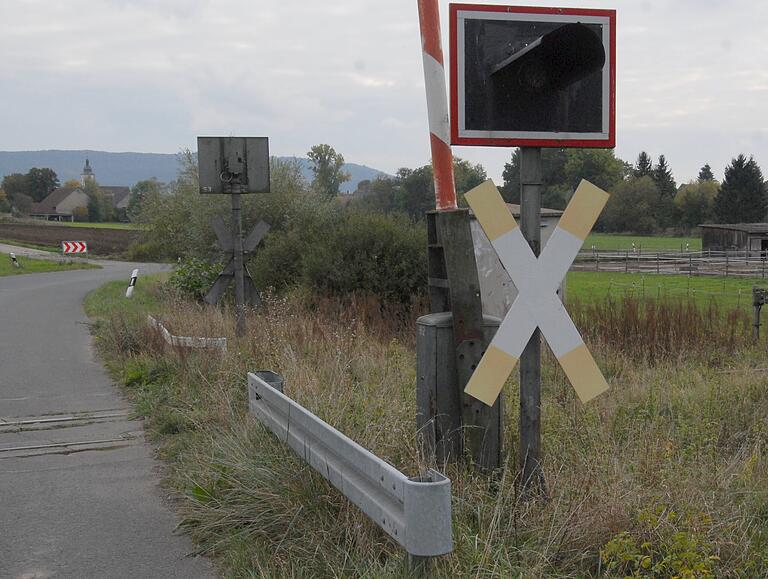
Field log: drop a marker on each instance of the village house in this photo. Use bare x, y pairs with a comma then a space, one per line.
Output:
62, 203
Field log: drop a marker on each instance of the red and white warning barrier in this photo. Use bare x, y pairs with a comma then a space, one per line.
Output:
74, 247
437, 105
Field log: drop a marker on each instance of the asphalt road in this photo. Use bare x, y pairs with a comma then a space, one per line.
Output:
80, 493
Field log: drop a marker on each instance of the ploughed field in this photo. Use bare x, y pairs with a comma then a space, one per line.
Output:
101, 241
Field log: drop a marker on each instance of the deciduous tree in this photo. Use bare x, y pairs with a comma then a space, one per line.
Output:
142, 193
97, 205
467, 176
632, 207
15, 184
327, 166
553, 176
598, 166
695, 202
21, 203
562, 171
41, 182
5, 205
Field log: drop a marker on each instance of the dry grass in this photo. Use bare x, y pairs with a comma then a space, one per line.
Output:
667, 469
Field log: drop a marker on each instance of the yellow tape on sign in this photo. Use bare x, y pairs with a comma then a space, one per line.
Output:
583, 210
490, 210
488, 379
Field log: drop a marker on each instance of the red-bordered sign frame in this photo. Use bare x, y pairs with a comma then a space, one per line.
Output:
461, 136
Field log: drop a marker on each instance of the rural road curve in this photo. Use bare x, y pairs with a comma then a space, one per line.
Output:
79, 490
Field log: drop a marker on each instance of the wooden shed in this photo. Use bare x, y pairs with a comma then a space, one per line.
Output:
740, 237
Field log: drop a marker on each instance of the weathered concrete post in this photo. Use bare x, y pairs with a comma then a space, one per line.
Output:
439, 396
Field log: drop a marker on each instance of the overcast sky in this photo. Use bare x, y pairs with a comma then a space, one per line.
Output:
151, 75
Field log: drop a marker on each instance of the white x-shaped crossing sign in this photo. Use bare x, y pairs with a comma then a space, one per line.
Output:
537, 303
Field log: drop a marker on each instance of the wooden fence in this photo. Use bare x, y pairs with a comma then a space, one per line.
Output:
692, 263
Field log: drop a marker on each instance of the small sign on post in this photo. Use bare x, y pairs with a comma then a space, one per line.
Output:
74, 247
231, 166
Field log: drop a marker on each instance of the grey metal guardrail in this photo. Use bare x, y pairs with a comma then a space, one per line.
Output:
415, 512
186, 341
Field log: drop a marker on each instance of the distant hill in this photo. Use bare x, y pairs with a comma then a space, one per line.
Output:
128, 168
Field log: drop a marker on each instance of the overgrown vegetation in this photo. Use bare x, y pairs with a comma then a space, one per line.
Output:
663, 476
314, 240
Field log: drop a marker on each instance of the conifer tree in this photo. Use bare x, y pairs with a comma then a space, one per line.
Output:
741, 198
644, 165
705, 174
667, 213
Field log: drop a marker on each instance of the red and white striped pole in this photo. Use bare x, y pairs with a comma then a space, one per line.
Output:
437, 105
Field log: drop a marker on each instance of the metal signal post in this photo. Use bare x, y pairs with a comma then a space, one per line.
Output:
233, 166
529, 458
237, 237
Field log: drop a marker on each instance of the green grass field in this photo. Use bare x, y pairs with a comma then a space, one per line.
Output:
39, 265
587, 286
650, 243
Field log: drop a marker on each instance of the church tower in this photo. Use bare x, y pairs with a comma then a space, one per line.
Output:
87, 175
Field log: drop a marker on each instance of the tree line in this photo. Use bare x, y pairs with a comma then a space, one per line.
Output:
644, 195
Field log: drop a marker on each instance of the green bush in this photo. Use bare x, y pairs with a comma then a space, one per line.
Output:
193, 277
279, 263
384, 255
144, 251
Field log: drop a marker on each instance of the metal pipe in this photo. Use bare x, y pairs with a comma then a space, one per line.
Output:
237, 222
531, 476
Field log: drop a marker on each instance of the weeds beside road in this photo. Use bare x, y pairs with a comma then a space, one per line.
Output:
665, 475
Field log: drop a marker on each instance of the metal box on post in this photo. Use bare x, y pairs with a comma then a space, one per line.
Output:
233, 164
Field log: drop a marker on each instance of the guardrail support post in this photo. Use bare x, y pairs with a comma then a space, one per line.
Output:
418, 567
